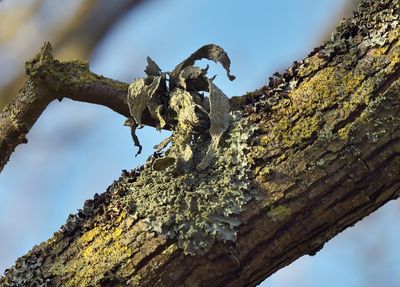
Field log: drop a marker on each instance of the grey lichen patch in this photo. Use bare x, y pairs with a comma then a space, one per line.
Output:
199, 207
366, 28
26, 272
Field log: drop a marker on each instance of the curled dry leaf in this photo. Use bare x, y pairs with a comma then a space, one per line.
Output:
219, 122
211, 52
140, 93
152, 69
131, 123
182, 107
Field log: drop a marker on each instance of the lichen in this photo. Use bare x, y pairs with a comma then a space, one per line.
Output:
198, 208
99, 250
322, 98
27, 272
279, 213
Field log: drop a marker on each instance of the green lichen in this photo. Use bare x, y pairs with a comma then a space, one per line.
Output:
89, 264
279, 213
198, 207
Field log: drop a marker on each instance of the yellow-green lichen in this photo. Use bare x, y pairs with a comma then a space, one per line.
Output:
303, 129
279, 213
301, 119
89, 236
323, 89
311, 65
99, 250
264, 172
343, 133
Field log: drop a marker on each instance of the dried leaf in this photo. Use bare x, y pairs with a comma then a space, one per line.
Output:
152, 69
162, 145
131, 123
193, 78
211, 52
183, 104
163, 163
155, 111
139, 94
219, 110
219, 122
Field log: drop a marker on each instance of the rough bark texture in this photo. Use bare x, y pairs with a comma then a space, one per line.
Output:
323, 153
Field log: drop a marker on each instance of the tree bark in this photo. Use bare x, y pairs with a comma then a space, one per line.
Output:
322, 152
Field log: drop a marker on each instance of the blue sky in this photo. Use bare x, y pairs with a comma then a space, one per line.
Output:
76, 149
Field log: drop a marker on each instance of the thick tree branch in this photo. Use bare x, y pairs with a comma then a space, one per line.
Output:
319, 148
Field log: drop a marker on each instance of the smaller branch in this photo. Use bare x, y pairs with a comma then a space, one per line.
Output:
77, 37
49, 79
19, 116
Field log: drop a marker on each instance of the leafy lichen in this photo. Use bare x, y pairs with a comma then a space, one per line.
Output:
197, 208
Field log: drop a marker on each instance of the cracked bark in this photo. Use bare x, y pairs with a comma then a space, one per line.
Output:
325, 155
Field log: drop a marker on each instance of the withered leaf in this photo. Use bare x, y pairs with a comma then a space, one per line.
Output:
130, 122
193, 78
152, 69
183, 107
163, 163
211, 52
155, 110
162, 145
182, 103
219, 122
139, 94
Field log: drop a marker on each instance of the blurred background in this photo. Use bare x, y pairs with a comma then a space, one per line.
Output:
77, 149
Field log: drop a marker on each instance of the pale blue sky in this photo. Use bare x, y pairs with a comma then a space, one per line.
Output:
78, 149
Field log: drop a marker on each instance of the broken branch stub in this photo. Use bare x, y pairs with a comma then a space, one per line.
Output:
182, 106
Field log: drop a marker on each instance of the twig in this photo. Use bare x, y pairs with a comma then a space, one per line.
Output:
49, 79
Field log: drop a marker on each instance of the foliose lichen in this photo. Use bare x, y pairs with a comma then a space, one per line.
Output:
26, 272
198, 207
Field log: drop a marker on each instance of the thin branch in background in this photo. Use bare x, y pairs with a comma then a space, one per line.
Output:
77, 38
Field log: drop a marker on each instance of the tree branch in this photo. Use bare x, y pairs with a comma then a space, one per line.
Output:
312, 153
47, 80
78, 37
